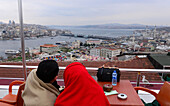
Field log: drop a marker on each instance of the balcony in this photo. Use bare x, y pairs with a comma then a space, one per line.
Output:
140, 71
13, 72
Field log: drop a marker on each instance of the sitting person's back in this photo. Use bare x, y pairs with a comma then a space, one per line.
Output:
80, 88
39, 90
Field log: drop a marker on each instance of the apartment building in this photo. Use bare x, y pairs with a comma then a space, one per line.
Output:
95, 52
96, 42
48, 48
104, 52
76, 44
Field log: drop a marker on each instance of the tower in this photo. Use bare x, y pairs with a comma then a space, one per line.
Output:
134, 37
154, 32
146, 31
9, 22
13, 22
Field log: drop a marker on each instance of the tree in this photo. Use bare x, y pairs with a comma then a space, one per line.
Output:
85, 44
81, 43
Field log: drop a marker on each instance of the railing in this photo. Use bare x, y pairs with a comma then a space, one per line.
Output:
92, 68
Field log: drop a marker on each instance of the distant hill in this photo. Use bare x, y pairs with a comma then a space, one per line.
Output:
1, 23
167, 29
120, 26
112, 26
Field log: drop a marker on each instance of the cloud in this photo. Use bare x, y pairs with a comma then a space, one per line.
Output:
83, 12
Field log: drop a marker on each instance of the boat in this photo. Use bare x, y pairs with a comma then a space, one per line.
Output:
16, 38
60, 43
26, 50
32, 38
11, 52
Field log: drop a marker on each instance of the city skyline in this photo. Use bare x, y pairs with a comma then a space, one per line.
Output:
79, 12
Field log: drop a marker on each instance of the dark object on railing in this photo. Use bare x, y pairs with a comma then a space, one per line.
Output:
11, 99
163, 97
105, 74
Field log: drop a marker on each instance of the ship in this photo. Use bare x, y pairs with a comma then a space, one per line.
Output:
11, 52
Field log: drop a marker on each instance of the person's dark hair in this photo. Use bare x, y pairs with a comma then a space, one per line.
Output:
47, 70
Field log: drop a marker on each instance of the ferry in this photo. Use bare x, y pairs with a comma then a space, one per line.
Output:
11, 52
16, 38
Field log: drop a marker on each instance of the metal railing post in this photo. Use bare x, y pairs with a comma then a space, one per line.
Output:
22, 38
138, 79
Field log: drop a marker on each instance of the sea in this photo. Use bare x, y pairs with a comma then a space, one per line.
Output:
33, 43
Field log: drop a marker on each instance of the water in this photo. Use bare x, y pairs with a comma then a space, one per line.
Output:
16, 44
99, 32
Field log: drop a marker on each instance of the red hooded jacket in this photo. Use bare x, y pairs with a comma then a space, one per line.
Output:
80, 88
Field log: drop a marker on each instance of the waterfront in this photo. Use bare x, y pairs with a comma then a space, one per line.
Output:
32, 43
16, 44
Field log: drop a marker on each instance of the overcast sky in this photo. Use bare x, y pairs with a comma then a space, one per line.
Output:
88, 12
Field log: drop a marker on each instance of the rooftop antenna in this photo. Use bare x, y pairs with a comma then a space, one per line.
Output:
22, 38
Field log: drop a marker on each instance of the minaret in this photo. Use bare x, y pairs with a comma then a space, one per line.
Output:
134, 40
154, 32
146, 30
133, 37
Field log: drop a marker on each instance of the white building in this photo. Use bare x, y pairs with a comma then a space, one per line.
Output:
96, 42
95, 52
76, 44
168, 41
53, 33
0, 34
104, 52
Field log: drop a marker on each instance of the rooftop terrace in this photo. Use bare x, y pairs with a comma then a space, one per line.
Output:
136, 63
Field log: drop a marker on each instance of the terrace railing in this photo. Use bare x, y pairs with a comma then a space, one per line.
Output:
139, 71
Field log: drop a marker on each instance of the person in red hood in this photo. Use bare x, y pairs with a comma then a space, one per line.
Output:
80, 88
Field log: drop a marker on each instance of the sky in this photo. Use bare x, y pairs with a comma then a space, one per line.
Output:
87, 12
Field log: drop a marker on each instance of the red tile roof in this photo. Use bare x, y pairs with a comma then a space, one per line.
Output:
48, 45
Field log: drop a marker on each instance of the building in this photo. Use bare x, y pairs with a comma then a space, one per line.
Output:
161, 61
96, 42
48, 48
95, 52
105, 52
109, 52
0, 34
76, 44
53, 33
